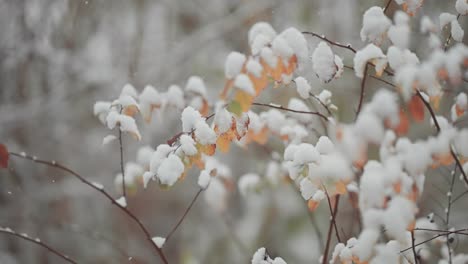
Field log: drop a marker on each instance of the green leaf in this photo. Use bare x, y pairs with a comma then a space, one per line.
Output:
235, 108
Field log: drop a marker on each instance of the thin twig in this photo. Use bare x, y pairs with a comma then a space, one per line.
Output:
102, 191
415, 255
330, 230
321, 103
387, 5
40, 243
460, 232
333, 211
334, 43
279, 107
176, 137
124, 192
361, 96
169, 235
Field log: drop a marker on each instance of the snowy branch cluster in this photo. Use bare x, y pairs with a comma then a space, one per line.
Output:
371, 160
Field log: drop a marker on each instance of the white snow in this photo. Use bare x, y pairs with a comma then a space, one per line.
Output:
159, 241
204, 179
234, 63
457, 31
323, 62
462, 7
244, 83
303, 87
122, 201
170, 170
187, 144
175, 97
149, 99
374, 25
196, 85
445, 19
248, 183
204, 134
107, 139
297, 42
189, 117
254, 67
363, 56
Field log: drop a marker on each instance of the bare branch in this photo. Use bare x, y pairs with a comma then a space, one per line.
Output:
279, 107
102, 191
169, 235
37, 241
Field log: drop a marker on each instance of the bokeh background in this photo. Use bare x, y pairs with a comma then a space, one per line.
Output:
58, 57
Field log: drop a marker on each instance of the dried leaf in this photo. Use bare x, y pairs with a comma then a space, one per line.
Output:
416, 108
403, 126
312, 205
4, 156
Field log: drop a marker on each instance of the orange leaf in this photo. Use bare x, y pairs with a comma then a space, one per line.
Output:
261, 137
259, 83
225, 91
459, 111
276, 73
397, 187
292, 63
4, 155
207, 149
403, 126
223, 142
442, 160
244, 99
416, 108
204, 110
340, 187
130, 110
312, 205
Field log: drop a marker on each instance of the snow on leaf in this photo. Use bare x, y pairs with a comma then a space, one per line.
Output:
129, 90
457, 31
410, 6
244, 83
445, 19
204, 179
234, 64
462, 7
4, 156
204, 134
370, 53
190, 117
149, 100
303, 87
296, 40
175, 97
196, 85
101, 110
187, 145
170, 170
323, 62
374, 25
416, 108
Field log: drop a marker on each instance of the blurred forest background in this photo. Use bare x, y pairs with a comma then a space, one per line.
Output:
58, 57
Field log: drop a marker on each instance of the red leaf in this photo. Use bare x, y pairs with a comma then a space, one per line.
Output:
416, 108
4, 156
